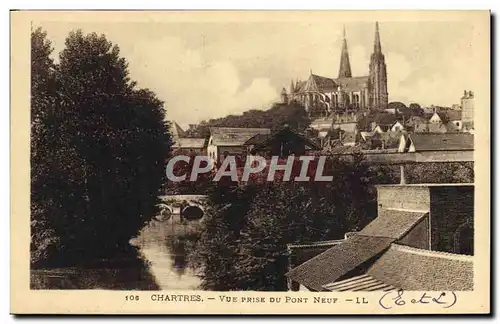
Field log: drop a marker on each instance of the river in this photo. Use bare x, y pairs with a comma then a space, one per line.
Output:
157, 261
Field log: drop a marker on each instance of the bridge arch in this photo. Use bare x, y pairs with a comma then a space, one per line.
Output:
166, 212
192, 212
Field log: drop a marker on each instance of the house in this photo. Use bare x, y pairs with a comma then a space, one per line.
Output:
189, 146
322, 125
283, 142
454, 120
176, 131
185, 145
422, 240
418, 142
448, 120
437, 128
348, 138
397, 127
417, 124
224, 141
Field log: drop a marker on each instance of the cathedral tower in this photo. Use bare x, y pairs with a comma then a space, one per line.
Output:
378, 96
345, 65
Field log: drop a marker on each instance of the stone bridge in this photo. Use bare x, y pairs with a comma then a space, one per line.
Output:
182, 209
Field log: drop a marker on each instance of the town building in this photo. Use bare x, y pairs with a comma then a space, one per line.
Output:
324, 96
422, 239
283, 143
181, 144
224, 141
419, 142
467, 103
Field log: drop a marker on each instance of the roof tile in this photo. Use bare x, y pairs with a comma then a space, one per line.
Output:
392, 223
442, 142
338, 260
415, 269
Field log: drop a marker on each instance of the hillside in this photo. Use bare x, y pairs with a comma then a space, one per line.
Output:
292, 114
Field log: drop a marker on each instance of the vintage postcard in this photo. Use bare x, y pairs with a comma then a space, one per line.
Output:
250, 162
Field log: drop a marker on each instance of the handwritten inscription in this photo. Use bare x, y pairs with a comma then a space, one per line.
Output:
393, 299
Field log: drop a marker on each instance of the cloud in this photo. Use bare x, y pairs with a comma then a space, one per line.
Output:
208, 70
193, 87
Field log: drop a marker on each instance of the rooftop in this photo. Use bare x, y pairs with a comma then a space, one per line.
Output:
392, 223
442, 141
229, 136
186, 142
338, 260
415, 269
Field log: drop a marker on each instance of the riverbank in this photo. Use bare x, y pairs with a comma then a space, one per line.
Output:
156, 260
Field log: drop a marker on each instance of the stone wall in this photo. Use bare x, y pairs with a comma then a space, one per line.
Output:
452, 209
403, 197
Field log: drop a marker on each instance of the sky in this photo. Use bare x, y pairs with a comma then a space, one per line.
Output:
211, 69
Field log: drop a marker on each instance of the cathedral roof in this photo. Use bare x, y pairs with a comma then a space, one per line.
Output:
320, 83
300, 85
352, 84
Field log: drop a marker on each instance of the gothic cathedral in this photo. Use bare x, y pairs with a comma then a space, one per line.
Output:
345, 95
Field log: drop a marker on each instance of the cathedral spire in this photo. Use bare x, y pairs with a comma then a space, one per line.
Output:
377, 48
378, 95
345, 65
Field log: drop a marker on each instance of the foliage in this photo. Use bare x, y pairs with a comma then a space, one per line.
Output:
278, 115
100, 156
443, 172
243, 242
397, 106
416, 110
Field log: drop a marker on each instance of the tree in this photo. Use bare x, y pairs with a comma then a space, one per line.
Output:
292, 114
43, 139
245, 235
398, 106
416, 110
110, 152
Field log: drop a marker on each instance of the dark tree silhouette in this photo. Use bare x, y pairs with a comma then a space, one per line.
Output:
106, 145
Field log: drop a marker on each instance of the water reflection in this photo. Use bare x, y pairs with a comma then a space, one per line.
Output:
165, 251
156, 260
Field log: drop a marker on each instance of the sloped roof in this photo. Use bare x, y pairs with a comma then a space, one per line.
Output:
359, 283
415, 269
324, 83
352, 84
366, 135
338, 260
442, 142
285, 131
300, 253
231, 136
319, 83
257, 138
392, 223
176, 130
187, 142
300, 86
453, 114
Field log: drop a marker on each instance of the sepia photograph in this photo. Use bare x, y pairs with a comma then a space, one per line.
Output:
290, 152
